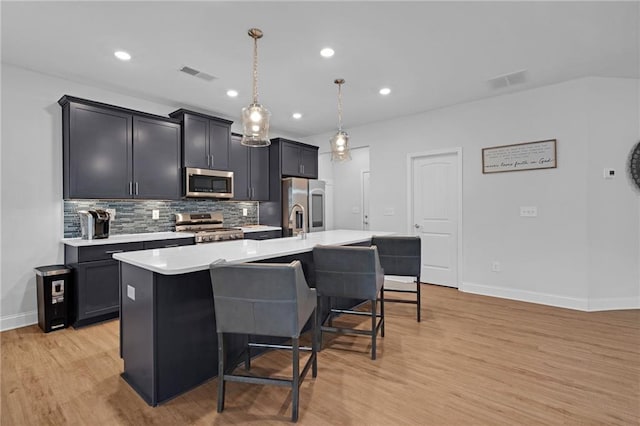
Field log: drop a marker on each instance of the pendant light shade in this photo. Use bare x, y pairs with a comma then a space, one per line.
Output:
340, 141
255, 117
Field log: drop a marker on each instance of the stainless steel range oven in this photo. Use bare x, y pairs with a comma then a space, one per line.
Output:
207, 227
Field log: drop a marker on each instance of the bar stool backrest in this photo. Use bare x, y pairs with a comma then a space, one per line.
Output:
399, 255
261, 298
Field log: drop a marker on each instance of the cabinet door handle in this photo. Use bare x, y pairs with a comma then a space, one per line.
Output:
208, 160
113, 251
130, 188
136, 188
172, 245
303, 168
211, 160
253, 193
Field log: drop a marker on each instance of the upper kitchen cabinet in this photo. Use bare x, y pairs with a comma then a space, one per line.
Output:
250, 168
205, 140
298, 159
111, 152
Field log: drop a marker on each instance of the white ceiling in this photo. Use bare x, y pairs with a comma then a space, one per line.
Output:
431, 54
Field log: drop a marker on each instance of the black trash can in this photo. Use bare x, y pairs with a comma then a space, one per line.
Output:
53, 287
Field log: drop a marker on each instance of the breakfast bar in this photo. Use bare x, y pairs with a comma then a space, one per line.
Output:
168, 336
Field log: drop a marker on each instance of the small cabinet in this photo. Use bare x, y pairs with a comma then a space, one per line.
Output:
116, 153
299, 160
250, 168
205, 140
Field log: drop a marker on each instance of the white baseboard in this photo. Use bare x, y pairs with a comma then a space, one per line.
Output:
614, 304
526, 296
9, 322
589, 305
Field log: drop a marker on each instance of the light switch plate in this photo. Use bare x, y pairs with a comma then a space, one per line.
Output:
609, 173
131, 292
112, 213
245, 212
155, 214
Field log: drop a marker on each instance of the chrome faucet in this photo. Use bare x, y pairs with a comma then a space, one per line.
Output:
302, 233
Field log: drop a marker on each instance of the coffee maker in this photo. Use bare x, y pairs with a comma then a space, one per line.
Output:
94, 224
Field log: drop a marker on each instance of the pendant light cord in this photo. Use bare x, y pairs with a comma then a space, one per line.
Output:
339, 107
255, 70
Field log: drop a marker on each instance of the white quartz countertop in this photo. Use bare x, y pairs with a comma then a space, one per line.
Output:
259, 228
185, 259
127, 238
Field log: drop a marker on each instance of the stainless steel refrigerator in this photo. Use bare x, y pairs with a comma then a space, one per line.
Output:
303, 206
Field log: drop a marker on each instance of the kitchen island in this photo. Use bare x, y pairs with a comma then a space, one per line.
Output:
168, 336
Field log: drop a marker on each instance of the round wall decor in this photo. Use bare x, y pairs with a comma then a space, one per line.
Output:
634, 165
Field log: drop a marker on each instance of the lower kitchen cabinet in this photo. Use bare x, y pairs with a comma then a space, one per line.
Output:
96, 291
95, 294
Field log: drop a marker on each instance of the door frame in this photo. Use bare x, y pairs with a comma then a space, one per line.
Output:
433, 153
362, 173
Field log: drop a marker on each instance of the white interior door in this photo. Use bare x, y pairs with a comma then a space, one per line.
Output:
436, 190
365, 200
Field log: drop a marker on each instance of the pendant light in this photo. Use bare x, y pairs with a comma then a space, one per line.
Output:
255, 117
340, 141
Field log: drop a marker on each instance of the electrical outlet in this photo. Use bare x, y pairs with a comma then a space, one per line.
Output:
112, 213
495, 266
529, 211
155, 214
245, 212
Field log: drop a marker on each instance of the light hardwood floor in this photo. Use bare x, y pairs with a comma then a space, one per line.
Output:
473, 360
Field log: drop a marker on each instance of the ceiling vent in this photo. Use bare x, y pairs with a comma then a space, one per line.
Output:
196, 73
507, 80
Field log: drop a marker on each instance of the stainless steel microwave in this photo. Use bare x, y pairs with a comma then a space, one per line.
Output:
204, 183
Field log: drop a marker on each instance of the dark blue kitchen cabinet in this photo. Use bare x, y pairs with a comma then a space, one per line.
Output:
156, 159
250, 168
205, 140
298, 160
97, 152
95, 294
116, 153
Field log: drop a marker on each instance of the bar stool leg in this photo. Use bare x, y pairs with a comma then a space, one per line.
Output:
419, 297
295, 384
374, 309
220, 372
314, 344
382, 311
247, 360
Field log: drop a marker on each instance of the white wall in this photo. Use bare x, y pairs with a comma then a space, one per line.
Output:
557, 258
347, 178
612, 204
31, 215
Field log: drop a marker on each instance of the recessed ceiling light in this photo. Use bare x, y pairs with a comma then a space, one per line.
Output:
232, 93
122, 55
296, 115
385, 91
327, 52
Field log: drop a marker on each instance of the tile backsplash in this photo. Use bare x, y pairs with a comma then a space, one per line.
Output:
133, 217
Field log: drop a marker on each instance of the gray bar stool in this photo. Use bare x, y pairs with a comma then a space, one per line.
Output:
401, 256
350, 272
267, 299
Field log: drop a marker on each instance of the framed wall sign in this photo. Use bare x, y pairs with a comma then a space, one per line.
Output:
520, 156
